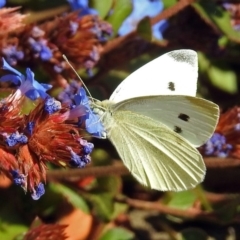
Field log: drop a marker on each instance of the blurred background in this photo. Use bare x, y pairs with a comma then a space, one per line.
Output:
105, 41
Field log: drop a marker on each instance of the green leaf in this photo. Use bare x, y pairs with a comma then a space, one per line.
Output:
223, 78
121, 10
11, 221
193, 234
102, 204
169, 3
117, 233
110, 184
182, 200
102, 8
215, 15
144, 29
75, 199
11, 230
118, 209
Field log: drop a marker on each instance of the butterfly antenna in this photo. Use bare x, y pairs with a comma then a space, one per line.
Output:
65, 58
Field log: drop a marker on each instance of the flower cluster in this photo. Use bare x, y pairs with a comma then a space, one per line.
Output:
11, 22
225, 142
140, 9
80, 38
75, 96
47, 133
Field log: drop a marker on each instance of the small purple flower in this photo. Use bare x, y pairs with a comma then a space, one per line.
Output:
28, 85
15, 138
87, 146
12, 54
67, 95
38, 191
217, 146
40, 48
78, 161
18, 179
52, 105
141, 9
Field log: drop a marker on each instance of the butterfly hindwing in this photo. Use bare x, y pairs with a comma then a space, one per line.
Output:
174, 73
156, 156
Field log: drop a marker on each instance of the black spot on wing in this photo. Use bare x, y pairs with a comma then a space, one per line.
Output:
177, 129
171, 86
183, 117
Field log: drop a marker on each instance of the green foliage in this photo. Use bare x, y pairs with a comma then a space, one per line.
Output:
217, 16
219, 74
121, 9
117, 233
103, 9
144, 29
182, 200
169, 3
72, 197
102, 198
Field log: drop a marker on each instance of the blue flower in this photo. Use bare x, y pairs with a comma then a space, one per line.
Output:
2, 3
141, 9
67, 95
78, 161
15, 138
87, 146
28, 85
217, 146
52, 105
83, 6
91, 120
18, 179
40, 47
38, 191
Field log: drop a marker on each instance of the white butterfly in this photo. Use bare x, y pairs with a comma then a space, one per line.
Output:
155, 122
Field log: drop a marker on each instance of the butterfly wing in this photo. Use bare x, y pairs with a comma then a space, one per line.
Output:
156, 156
193, 118
174, 73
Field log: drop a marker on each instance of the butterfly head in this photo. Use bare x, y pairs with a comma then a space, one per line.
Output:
103, 111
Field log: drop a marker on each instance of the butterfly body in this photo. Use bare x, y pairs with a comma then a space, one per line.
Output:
157, 126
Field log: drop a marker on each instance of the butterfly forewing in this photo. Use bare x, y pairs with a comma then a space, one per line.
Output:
174, 73
193, 118
156, 156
